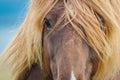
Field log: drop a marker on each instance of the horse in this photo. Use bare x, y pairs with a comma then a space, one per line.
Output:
67, 40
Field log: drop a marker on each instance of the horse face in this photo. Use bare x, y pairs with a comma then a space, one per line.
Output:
68, 53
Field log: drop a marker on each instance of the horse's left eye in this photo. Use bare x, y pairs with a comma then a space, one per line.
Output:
47, 23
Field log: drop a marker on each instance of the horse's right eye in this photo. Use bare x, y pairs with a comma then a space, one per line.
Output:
47, 23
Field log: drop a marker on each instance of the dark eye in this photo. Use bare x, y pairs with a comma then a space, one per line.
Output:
47, 23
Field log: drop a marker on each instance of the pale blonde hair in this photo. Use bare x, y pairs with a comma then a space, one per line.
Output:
98, 18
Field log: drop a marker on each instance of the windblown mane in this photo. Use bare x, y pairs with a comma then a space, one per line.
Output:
98, 18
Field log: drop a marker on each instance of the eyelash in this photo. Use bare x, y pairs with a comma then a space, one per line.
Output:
47, 23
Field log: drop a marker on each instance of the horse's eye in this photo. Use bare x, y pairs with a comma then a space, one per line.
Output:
47, 23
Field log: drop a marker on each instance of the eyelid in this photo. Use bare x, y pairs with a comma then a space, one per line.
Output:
47, 22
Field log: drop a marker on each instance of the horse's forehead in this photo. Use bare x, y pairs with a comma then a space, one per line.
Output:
57, 9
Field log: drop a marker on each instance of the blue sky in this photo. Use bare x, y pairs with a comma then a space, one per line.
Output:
12, 13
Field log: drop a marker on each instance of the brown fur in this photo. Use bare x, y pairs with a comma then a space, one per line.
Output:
99, 29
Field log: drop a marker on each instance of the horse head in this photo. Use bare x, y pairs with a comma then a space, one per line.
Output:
67, 40
69, 55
